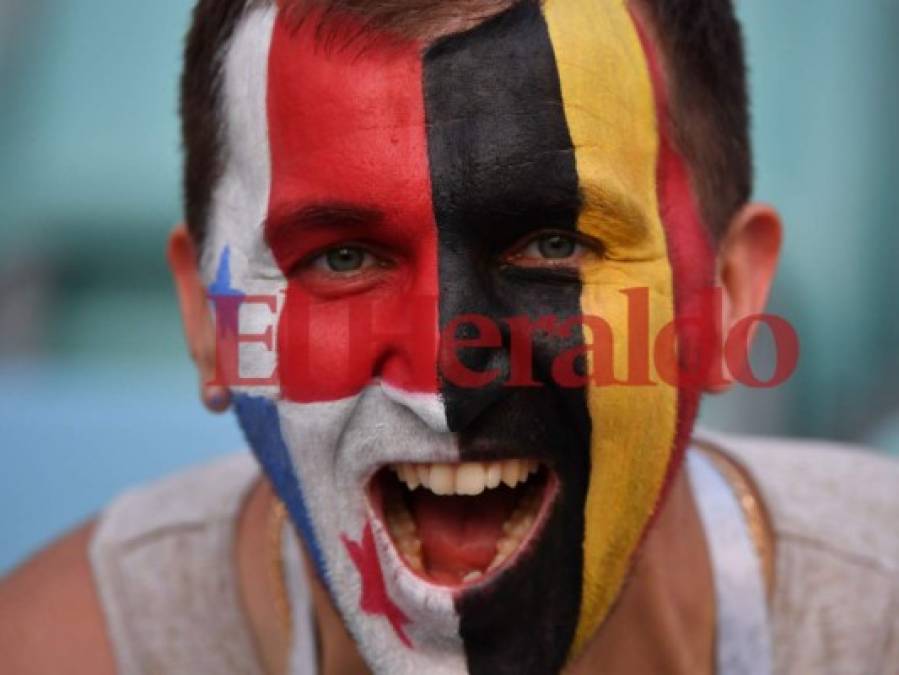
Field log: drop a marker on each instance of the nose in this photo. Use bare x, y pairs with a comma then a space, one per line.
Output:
428, 407
473, 359
502, 336
333, 350
404, 339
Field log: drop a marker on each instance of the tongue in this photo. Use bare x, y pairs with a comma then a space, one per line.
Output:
459, 534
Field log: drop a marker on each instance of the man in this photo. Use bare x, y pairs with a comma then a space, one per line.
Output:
459, 258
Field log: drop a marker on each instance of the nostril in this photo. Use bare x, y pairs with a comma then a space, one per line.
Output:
465, 406
472, 353
428, 407
402, 344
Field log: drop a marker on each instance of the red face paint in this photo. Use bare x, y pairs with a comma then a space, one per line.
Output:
374, 599
690, 252
347, 133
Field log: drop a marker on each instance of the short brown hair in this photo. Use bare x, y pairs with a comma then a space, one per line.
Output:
701, 45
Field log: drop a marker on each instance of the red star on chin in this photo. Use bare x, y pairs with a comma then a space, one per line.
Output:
374, 598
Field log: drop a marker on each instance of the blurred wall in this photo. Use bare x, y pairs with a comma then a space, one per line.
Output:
96, 392
826, 103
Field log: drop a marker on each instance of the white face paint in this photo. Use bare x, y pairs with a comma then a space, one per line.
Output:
336, 447
332, 448
240, 200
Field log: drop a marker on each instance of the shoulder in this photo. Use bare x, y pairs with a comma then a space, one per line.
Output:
163, 557
67, 608
201, 496
841, 497
51, 619
833, 510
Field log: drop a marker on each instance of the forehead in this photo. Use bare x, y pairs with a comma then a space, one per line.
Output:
476, 119
344, 124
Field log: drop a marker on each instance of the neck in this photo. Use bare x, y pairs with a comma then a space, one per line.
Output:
663, 620
262, 593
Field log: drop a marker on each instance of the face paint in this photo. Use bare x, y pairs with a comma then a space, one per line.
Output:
440, 160
503, 167
352, 167
630, 177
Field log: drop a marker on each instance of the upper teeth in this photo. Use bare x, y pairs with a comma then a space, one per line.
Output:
466, 478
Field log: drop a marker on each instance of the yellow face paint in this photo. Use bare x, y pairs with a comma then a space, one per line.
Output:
610, 108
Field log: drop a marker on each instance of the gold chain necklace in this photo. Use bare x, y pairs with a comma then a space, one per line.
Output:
277, 518
751, 505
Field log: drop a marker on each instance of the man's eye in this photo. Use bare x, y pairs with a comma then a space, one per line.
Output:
344, 260
553, 250
553, 247
344, 269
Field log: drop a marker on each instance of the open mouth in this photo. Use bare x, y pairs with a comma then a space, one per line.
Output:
457, 524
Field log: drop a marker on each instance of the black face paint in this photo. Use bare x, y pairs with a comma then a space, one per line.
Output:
502, 166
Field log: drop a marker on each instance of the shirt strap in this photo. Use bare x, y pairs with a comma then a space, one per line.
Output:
303, 650
743, 644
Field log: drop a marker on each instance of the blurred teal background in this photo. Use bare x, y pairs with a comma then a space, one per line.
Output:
96, 391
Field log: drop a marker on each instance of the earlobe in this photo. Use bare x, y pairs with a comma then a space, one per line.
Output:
199, 331
747, 262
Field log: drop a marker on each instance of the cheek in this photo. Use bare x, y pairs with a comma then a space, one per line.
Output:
314, 349
332, 350
634, 411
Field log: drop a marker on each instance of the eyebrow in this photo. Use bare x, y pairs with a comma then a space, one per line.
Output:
322, 215
615, 207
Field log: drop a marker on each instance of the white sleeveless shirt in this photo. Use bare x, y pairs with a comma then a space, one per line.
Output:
163, 559
164, 563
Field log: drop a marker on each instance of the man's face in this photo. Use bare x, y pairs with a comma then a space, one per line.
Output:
449, 231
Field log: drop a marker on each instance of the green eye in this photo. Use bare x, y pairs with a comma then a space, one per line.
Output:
556, 252
556, 247
345, 259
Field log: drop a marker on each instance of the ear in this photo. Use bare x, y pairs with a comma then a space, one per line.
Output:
747, 261
196, 318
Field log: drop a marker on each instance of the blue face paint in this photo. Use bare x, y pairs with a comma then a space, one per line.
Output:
258, 418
